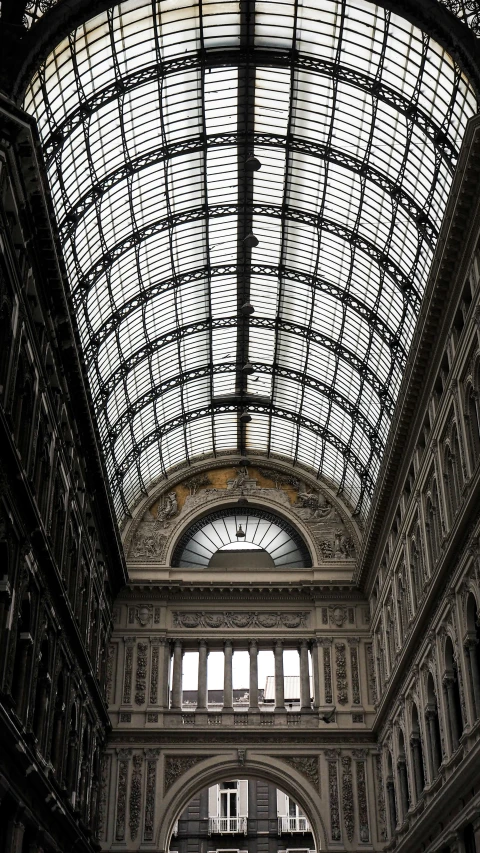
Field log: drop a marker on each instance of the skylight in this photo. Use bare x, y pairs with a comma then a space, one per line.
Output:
153, 116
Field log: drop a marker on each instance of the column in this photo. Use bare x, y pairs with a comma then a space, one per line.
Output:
227, 676
279, 683
177, 676
304, 678
417, 758
402, 775
202, 676
470, 652
392, 811
435, 756
253, 651
452, 711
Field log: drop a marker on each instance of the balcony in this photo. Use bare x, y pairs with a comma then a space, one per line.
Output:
293, 824
227, 825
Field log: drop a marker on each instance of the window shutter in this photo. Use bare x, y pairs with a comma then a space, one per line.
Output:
282, 804
213, 801
243, 798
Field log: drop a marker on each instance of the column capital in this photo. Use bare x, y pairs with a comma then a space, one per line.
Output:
278, 644
227, 644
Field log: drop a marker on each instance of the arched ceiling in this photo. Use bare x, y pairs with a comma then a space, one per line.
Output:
153, 118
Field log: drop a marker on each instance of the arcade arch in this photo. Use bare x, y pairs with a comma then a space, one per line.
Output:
239, 763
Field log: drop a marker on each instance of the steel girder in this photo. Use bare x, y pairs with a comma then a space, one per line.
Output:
384, 262
296, 329
349, 300
323, 388
271, 410
394, 189
266, 58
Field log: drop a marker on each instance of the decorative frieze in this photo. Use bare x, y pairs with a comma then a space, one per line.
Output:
335, 833
122, 783
307, 766
241, 619
364, 829
135, 796
152, 758
341, 673
353, 643
128, 671
347, 797
141, 675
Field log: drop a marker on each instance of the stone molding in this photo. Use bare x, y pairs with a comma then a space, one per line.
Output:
267, 620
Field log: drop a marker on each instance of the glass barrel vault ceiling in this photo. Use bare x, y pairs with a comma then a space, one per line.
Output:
150, 115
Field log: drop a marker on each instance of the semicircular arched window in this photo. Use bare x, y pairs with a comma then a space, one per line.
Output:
249, 538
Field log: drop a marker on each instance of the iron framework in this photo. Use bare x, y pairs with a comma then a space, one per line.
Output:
154, 125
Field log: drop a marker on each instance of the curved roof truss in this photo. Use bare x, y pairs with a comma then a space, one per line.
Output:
154, 118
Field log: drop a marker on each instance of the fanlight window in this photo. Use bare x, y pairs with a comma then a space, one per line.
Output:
248, 531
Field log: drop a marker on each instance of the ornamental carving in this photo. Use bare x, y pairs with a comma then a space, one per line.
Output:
177, 766
327, 674
154, 674
278, 478
109, 672
355, 674
127, 677
381, 814
141, 676
333, 800
135, 796
372, 686
307, 766
347, 797
341, 672
102, 798
122, 782
316, 502
338, 616
150, 794
364, 828
149, 542
289, 620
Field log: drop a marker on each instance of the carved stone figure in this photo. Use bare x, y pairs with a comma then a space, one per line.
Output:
241, 479
167, 507
344, 546
326, 549
149, 544
316, 502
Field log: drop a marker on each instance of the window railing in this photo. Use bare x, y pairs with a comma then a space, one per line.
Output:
293, 824
227, 825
